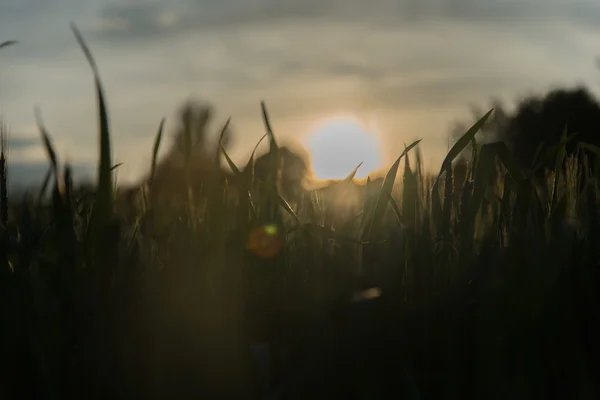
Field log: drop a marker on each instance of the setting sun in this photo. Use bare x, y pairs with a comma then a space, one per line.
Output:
338, 145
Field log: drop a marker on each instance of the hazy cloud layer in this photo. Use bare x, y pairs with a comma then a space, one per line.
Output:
409, 68
147, 18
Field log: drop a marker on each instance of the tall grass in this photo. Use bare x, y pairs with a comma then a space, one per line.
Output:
488, 281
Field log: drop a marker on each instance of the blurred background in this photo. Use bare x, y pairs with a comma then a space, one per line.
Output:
401, 70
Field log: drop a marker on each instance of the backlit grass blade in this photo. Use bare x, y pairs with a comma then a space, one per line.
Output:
155, 149
249, 169
386, 191
45, 183
351, 175
267, 122
3, 188
272, 193
221, 137
460, 145
419, 161
273, 147
243, 185
409, 194
272, 211
257, 144
224, 130
395, 208
47, 143
410, 147
232, 165
104, 196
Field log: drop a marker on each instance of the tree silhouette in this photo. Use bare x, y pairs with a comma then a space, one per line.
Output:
194, 117
192, 147
192, 134
542, 119
294, 167
545, 120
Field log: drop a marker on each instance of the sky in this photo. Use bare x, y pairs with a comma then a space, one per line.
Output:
408, 69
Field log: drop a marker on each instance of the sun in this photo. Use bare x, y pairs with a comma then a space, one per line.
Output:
339, 144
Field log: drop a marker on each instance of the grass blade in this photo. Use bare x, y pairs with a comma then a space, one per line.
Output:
155, 149
45, 183
272, 212
272, 193
47, 142
3, 184
249, 168
8, 43
273, 147
395, 208
267, 122
224, 130
351, 175
221, 137
386, 191
105, 186
232, 165
243, 185
460, 145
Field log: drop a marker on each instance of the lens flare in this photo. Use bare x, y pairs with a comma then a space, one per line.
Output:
265, 241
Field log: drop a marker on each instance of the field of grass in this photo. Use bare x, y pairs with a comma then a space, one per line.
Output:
487, 278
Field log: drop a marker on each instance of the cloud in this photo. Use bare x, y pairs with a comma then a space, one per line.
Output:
30, 175
149, 20
134, 21
411, 65
19, 143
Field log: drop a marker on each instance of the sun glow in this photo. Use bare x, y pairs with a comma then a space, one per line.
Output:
338, 145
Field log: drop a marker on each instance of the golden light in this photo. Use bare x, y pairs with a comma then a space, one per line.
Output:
338, 145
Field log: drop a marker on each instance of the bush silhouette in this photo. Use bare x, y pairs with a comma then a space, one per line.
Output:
542, 119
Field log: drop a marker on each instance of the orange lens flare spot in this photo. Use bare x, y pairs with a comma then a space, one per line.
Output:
265, 241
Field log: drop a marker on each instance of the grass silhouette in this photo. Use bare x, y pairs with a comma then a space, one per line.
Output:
471, 284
